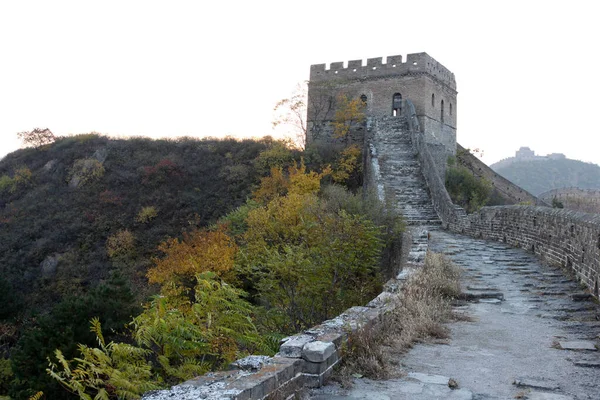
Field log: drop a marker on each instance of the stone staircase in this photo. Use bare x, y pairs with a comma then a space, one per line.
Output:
402, 178
401, 172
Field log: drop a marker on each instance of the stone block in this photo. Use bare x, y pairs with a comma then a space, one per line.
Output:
293, 346
578, 345
317, 351
287, 368
337, 337
313, 368
313, 380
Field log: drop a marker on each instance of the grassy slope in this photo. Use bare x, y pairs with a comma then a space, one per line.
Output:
201, 181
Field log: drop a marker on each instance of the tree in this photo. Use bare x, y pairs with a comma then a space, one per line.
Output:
200, 251
349, 112
37, 137
292, 113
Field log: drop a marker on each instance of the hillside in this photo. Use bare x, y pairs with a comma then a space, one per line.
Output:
538, 176
64, 206
81, 221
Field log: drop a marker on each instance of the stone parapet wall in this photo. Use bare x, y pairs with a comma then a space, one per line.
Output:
562, 237
304, 360
565, 238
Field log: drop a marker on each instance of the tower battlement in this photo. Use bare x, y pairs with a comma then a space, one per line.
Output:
417, 63
383, 87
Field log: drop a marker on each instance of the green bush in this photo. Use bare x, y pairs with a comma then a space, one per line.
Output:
465, 189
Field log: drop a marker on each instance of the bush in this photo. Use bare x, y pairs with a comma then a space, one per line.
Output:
121, 244
84, 171
466, 190
146, 214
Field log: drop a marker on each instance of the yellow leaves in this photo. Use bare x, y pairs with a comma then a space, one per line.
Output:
302, 182
348, 113
287, 200
298, 181
348, 163
37, 396
271, 186
200, 251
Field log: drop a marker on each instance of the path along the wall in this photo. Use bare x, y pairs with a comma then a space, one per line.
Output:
564, 238
533, 335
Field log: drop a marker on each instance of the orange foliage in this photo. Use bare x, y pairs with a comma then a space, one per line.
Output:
298, 181
271, 186
200, 251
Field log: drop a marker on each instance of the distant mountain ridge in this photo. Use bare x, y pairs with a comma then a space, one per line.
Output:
539, 174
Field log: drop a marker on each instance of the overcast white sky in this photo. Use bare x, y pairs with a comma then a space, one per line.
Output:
527, 71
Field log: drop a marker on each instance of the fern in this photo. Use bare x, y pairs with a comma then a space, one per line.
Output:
114, 370
37, 396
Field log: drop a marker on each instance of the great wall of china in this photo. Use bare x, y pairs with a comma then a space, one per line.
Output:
409, 133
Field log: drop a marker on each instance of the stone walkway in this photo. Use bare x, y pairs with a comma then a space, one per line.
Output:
534, 336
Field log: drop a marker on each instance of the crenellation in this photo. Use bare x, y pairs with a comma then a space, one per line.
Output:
375, 62
375, 67
336, 66
354, 64
394, 61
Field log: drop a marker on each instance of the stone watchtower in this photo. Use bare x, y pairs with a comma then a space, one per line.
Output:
384, 87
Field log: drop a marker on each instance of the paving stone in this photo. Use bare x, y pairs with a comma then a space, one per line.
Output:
547, 396
429, 378
587, 364
472, 295
490, 301
482, 288
581, 296
578, 345
535, 383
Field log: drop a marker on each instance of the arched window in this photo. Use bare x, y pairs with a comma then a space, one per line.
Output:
450, 108
363, 98
396, 104
433, 100
442, 112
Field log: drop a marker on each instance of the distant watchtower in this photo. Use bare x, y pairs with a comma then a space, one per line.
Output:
383, 87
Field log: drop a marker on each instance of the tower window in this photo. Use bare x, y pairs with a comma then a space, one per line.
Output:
396, 104
433, 100
363, 98
450, 108
442, 112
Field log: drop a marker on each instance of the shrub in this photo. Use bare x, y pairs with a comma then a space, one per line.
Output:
121, 244
6, 375
466, 190
146, 214
557, 203
84, 171
6, 183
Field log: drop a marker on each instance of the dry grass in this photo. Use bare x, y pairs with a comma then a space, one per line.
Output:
422, 307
